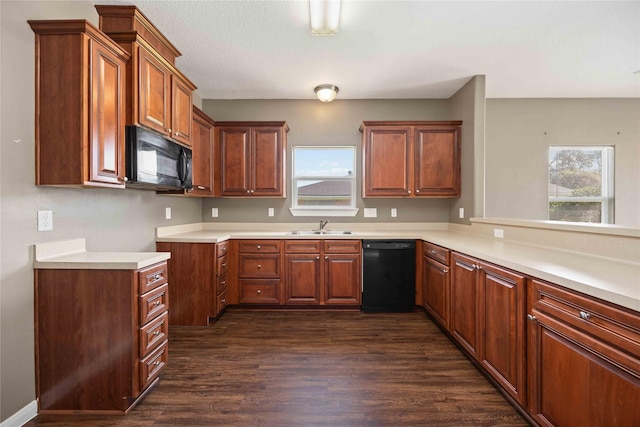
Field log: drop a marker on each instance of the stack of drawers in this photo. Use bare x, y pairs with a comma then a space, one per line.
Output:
154, 322
259, 271
222, 268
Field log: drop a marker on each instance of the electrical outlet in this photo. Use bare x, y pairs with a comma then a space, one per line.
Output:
271, 212
167, 213
45, 220
461, 213
214, 212
394, 212
498, 232
370, 212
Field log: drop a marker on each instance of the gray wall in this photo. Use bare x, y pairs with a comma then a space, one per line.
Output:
520, 131
111, 220
335, 123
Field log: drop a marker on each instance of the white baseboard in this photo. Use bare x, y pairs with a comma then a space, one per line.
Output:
21, 417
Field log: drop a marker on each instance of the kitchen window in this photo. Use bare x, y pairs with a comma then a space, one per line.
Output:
581, 184
324, 182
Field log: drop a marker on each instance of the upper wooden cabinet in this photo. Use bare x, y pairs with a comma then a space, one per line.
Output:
250, 158
203, 160
159, 96
80, 99
411, 159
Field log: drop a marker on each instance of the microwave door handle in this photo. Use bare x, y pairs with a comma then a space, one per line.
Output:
182, 168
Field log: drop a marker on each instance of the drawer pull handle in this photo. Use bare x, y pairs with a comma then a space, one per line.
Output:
531, 317
259, 291
259, 266
224, 265
258, 247
318, 257
156, 303
434, 252
200, 187
157, 277
156, 333
224, 301
224, 282
445, 271
156, 363
584, 315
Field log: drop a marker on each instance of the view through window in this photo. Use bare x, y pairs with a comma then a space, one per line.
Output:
581, 184
323, 177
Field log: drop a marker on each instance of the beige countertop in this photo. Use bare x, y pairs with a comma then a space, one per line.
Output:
72, 254
612, 280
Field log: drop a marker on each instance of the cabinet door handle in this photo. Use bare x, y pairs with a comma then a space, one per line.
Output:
408, 191
156, 363
445, 271
224, 265
258, 247
531, 317
200, 187
249, 191
584, 315
417, 191
177, 134
224, 282
259, 266
318, 257
156, 333
123, 179
326, 257
433, 252
157, 303
259, 292
169, 130
224, 301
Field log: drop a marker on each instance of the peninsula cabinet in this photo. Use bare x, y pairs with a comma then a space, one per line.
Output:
198, 284
411, 159
488, 319
322, 272
583, 359
101, 337
436, 282
80, 102
159, 96
250, 158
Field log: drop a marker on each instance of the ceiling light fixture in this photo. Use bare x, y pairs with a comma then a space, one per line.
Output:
325, 17
326, 93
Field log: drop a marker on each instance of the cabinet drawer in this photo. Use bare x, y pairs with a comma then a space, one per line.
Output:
436, 252
222, 248
342, 246
153, 364
154, 333
152, 277
259, 292
221, 302
259, 246
154, 303
616, 326
221, 285
222, 265
267, 266
302, 246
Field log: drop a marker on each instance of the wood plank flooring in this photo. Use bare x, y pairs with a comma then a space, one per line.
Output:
318, 368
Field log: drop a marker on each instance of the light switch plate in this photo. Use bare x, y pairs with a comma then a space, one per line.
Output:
271, 212
370, 212
394, 212
461, 213
498, 232
214, 212
45, 220
167, 213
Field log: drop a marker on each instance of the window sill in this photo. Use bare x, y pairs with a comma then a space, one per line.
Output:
323, 212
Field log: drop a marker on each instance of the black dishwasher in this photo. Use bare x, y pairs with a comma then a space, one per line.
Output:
388, 275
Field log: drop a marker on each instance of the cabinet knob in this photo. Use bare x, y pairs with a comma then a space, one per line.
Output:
156, 363
157, 303
224, 265
259, 292
417, 191
177, 134
433, 252
318, 257
157, 277
224, 301
258, 247
123, 179
251, 191
584, 315
156, 333
326, 257
408, 191
259, 266
248, 191
224, 282
531, 317
445, 271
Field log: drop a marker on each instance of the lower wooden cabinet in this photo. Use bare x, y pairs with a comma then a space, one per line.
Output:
488, 319
583, 360
101, 337
436, 283
199, 277
323, 272
259, 265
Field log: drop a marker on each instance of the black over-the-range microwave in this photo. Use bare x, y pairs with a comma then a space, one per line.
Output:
155, 162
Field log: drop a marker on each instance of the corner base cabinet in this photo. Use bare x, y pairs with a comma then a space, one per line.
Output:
101, 337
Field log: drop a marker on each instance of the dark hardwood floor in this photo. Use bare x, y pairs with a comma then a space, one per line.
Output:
295, 368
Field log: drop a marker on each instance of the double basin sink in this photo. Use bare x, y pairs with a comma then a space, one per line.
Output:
320, 233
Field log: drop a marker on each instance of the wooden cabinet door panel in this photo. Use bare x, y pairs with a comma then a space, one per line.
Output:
574, 386
202, 146
502, 328
302, 279
234, 161
181, 113
436, 290
154, 93
106, 147
267, 161
387, 161
437, 163
342, 278
464, 310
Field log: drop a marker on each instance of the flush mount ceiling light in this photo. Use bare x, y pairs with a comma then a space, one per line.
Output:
326, 93
325, 17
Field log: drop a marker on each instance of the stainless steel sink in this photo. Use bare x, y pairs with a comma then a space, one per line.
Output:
319, 232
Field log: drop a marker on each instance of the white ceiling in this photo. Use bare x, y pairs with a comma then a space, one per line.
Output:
405, 49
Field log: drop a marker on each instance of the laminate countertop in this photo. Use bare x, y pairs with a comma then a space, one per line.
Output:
612, 280
72, 254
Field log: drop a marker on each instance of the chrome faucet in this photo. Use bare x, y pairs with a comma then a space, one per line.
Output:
323, 224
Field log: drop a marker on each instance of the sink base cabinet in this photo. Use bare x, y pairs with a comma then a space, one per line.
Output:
100, 337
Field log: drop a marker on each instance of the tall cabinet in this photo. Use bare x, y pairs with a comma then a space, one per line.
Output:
159, 96
80, 99
411, 159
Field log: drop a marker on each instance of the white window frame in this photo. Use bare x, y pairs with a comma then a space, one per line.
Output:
307, 210
606, 199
